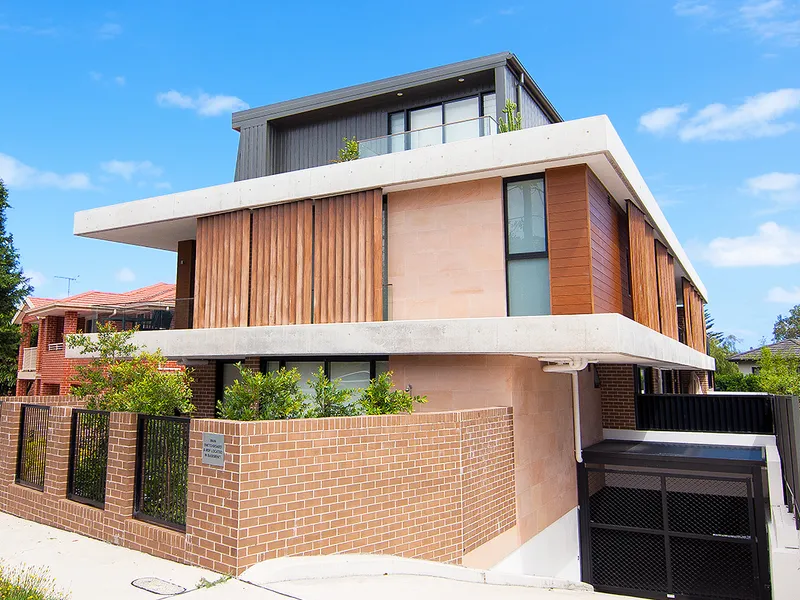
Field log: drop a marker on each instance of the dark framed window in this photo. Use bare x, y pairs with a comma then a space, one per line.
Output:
527, 264
643, 377
354, 371
442, 122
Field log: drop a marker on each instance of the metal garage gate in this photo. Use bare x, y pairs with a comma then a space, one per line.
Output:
674, 521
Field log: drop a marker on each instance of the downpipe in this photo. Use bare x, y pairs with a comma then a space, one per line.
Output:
572, 366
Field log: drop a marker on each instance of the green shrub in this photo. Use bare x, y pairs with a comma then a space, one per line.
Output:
23, 583
34, 455
329, 399
124, 378
380, 399
512, 120
736, 382
263, 396
349, 152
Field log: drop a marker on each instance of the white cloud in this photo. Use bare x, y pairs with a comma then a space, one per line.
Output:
28, 29
119, 80
95, 76
37, 279
100, 78
692, 8
784, 296
162, 185
125, 274
757, 117
128, 168
781, 188
108, 31
662, 119
204, 104
17, 174
774, 21
772, 245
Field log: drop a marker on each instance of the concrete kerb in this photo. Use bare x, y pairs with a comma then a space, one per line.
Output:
282, 570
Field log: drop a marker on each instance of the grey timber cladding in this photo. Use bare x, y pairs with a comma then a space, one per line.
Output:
316, 143
307, 132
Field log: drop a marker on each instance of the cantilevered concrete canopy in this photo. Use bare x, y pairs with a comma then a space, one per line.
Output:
163, 221
600, 338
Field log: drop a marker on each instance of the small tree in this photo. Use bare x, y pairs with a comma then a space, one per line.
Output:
122, 377
779, 373
14, 287
263, 396
350, 150
788, 327
512, 120
330, 400
380, 399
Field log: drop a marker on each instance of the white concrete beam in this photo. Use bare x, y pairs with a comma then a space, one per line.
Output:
601, 338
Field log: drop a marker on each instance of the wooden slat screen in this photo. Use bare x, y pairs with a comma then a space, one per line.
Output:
667, 300
184, 284
609, 264
569, 241
348, 258
222, 271
694, 317
280, 290
643, 269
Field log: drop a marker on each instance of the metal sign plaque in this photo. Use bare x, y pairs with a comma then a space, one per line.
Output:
214, 449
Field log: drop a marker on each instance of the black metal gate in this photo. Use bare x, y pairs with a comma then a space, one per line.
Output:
661, 528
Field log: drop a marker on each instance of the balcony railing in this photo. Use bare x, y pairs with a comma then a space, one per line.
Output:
427, 136
55, 347
29, 359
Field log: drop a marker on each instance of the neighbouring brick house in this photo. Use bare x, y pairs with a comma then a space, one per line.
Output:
44, 323
531, 270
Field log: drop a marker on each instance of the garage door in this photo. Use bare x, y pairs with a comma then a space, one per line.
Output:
673, 521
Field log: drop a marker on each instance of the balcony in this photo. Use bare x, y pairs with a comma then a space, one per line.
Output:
28, 370
427, 136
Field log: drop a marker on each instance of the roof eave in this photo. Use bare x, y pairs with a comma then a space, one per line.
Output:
375, 88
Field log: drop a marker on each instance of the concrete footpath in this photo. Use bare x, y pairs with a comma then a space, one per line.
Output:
89, 569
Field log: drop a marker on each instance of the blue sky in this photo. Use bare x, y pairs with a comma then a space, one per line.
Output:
101, 106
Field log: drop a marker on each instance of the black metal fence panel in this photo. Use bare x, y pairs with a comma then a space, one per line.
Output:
787, 428
672, 533
162, 470
88, 457
711, 413
32, 452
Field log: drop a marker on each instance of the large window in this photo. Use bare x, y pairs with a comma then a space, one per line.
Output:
445, 122
355, 372
527, 267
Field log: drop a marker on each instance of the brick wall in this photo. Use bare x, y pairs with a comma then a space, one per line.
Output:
204, 389
618, 396
428, 485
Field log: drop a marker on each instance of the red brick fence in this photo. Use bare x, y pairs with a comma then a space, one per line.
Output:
428, 485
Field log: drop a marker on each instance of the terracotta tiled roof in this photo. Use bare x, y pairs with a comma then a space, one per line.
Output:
790, 346
156, 293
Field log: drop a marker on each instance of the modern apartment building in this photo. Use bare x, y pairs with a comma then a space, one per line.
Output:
531, 269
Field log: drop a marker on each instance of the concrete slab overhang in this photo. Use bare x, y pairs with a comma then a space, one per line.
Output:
600, 338
163, 221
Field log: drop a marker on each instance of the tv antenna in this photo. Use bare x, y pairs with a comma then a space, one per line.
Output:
69, 281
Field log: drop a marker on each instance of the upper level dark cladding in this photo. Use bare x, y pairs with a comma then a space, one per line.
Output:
308, 132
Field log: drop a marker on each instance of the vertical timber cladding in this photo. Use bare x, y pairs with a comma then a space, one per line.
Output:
693, 315
609, 256
568, 240
643, 269
280, 290
348, 258
222, 271
667, 300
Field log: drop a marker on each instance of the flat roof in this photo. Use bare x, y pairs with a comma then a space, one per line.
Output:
633, 451
394, 84
161, 222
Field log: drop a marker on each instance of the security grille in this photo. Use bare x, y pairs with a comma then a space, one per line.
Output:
667, 533
32, 452
88, 457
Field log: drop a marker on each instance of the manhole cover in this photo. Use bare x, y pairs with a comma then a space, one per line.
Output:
158, 586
